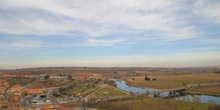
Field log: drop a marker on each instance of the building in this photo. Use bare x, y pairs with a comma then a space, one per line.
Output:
15, 99
150, 79
3, 104
80, 78
44, 76
5, 75
58, 76
29, 76
34, 90
102, 85
4, 85
17, 90
97, 76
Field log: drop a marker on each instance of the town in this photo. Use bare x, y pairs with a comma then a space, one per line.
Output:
53, 90
58, 88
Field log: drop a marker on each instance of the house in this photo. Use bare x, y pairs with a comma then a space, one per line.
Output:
29, 76
15, 98
3, 104
34, 90
150, 79
17, 88
44, 76
4, 85
102, 85
44, 107
58, 76
97, 76
5, 75
80, 78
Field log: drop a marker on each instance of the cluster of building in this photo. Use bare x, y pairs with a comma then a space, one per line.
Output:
57, 76
44, 107
150, 79
12, 96
24, 76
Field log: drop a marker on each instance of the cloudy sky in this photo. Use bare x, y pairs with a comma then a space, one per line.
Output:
109, 33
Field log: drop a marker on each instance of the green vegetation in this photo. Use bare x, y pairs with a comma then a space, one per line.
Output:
108, 92
82, 90
142, 103
19, 80
75, 91
53, 83
84, 94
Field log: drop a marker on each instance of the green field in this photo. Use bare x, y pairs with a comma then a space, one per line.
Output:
108, 92
75, 91
152, 104
84, 94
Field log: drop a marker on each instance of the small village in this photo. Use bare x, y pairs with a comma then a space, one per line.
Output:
54, 91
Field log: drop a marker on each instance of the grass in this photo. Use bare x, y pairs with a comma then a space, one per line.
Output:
215, 91
75, 91
152, 104
172, 81
82, 90
53, 83
108, 92
84, 94
18, 80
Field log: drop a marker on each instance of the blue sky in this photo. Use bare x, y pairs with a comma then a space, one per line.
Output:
109, 33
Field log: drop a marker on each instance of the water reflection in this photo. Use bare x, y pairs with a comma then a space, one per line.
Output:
179, 96
199, 99
121, 84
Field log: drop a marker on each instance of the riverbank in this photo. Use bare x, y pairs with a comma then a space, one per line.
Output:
213, 91
181, 97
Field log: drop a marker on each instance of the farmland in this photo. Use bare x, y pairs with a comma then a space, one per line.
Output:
215, 91
172, 81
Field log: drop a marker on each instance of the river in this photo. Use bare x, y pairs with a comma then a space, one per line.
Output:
189, 98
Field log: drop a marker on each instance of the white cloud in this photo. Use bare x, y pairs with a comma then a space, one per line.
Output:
94, 18
95, 42
208, 9
22, 44
207, 48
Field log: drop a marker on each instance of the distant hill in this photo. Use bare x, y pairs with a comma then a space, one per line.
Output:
105, 70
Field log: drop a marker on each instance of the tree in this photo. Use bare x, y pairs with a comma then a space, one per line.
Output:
47, 77
147, 79
147, 91
70, 77
196, 99
184, 84
210, 101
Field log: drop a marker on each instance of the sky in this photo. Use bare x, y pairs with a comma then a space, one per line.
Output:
109, 33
